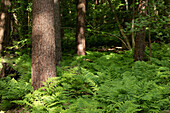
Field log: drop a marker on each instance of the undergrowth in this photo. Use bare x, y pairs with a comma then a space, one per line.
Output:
96, 83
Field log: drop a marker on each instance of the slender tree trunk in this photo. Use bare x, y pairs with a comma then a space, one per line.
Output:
155, 8
80, 31
133, 25
14, 23
150, 34
127, 7
140, 36
43, 42
57, 30
97, 2
4, 32
150, 45
120, 27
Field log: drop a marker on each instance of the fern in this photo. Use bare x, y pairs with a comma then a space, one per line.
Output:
12, 90
95, 83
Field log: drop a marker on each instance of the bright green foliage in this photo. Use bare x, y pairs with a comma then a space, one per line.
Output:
85, 105
155, 20
22, 65
99, 83
10, 90
161, 50
60, 92
140, 86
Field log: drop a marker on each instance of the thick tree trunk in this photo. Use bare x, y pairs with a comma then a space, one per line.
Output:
140, 36
57, 30
140, 45
4, 32
80, 31
43, 42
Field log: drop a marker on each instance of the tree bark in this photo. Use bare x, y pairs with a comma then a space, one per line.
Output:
133, 25
127, 7
4, 32
149, 34
140, 36
43, 42
97, 2
80, 31
57, 30
140, 45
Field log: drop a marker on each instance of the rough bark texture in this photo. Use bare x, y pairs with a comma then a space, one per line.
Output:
80, 31
57, 30
133, 25
140, 45
4, 32
140, 36
43, 42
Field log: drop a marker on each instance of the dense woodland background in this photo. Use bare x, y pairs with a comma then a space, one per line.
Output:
84, 56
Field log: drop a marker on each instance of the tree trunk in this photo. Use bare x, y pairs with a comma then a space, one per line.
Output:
140, 36
127, 7
57, 30
133, 25
149, 34
97, 2
120, 27
80, 31
43, 42
4, 32
140, 45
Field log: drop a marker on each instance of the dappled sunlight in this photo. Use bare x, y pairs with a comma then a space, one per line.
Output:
82, 7
98, 72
